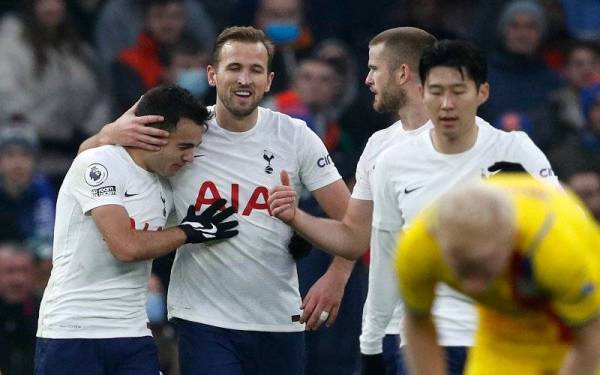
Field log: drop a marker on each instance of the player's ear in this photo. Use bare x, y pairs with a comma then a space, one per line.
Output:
403, 74
269, 81
211, 72
483, 93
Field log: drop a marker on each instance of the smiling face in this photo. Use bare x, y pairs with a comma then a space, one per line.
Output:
241, 77
381, 80
179, 152
452, 99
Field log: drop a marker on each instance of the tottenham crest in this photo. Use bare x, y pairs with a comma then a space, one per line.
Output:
268, 156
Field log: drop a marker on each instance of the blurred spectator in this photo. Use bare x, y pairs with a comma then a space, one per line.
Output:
586, 184
582, 69
162, 330
18, 310
48, 81
339, 55
27, 201
142, 66
121, 21
581, 151
562, 114
187, 68
312, 98
283, 23
583, 18
519, 78
557, 38
353, 103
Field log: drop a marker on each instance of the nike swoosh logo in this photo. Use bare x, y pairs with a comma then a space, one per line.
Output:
208, 232
408, 191
197, 156
127, 195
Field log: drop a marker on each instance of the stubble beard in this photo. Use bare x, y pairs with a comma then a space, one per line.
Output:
238, 111
390, 100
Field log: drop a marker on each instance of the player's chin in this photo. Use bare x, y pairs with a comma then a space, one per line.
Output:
172, 170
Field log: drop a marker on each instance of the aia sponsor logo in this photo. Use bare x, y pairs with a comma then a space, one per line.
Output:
209, 193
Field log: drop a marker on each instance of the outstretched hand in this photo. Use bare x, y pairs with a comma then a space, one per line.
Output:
209, 225
282, 200
130, 130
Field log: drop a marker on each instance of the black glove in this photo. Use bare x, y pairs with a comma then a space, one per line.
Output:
372, 364
208, 225
298, 247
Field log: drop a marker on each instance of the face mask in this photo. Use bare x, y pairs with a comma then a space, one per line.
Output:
282, 32
193, 80
156, 308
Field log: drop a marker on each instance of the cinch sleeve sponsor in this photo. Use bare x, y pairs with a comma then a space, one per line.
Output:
316, 167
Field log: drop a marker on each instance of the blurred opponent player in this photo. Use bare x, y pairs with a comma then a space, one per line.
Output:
529, 256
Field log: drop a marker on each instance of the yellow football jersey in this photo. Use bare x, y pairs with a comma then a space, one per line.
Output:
551, 284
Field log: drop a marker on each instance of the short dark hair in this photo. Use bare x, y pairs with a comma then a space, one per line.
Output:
173, 103
404, 45
245, 34
462, 55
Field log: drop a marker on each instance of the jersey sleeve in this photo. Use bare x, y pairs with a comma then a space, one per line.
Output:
364, 169
525, 152
97, 179
568, 270
415, 264
316, 167
382, 297
386, 209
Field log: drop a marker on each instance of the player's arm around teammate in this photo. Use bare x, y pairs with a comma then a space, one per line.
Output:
113, 221
131, 130
322, 302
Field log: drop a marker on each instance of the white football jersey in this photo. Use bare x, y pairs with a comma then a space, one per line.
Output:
248, 282
411, 175
91, 294
379, 142
376, 303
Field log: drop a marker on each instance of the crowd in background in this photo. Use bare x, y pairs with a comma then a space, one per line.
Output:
67, 67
